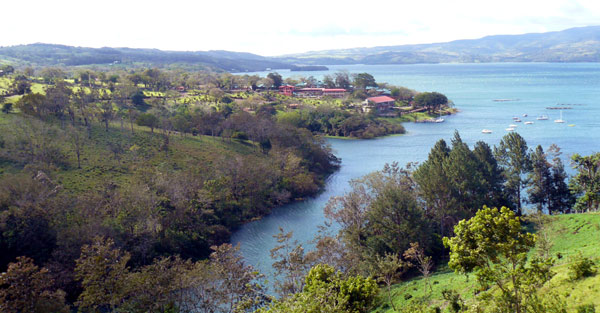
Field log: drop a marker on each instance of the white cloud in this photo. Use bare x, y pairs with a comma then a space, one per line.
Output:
275, 27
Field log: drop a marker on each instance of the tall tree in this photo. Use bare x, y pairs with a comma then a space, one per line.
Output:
434, 185
363, 81
586, 183
561, 198
277, 79
512, 154
539, 179
493, 180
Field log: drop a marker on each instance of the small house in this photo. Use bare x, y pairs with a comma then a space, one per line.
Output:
380, 103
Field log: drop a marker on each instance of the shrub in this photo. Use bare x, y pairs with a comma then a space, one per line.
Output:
581, 267
586, 308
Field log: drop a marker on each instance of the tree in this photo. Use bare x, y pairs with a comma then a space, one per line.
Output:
432, 101
435, 187
107, 114
342, 79
539, 179
6, 106
21, 85
147, 119
492, 178
102, 270
586, 184
513, 156
237, 282
389, 268
138, 98
24, 287
493, 245
290, 262
276, 78
561, 198
364, 80
423, 262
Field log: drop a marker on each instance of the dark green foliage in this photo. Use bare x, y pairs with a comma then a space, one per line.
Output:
6, 107
363, 81
277, 79
431, 100
581, 267
513, 157
138, 99
586, 308
586, 184
21, 85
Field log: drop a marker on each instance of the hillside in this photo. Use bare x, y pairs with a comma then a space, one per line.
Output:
569, 235
572, 45
41, 54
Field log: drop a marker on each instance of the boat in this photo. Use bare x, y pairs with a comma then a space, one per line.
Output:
510, 129
517, 120
512, 125
525, 115
571, 125
528, 123
486, 131
560, 120
542, 117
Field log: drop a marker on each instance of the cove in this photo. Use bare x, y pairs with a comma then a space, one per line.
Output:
532, 87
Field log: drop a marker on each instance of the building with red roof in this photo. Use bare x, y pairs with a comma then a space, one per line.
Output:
382, 104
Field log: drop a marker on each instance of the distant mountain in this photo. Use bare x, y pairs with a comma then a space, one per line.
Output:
54, 55
572, 45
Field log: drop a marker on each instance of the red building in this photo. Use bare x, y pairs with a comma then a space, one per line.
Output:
335, 92
287, 90
381, 103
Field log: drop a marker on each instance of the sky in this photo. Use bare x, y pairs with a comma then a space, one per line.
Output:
276, 27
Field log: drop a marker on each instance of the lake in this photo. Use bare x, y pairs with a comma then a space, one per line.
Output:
472, 87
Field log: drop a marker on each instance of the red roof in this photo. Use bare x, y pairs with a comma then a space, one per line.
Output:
310, 89
334, 90
381, 99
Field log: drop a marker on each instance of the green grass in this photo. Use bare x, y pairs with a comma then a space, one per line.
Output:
141, 151
569, 234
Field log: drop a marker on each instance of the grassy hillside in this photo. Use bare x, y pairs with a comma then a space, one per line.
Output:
569, 234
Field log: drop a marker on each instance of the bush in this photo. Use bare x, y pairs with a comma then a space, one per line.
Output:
581, 267
586, 308
7, 107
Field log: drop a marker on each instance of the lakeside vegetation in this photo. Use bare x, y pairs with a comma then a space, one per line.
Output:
119, 192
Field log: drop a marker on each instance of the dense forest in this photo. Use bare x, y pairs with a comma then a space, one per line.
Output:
119, 191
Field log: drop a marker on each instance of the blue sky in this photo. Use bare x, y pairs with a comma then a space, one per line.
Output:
278, 27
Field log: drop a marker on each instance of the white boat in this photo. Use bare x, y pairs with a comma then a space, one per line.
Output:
525, 115
510, 129
486, 131
560, 120
512, 125
517, 120
542, 117
528, 123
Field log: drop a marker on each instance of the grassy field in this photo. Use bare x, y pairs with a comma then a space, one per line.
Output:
570, 234
138, 151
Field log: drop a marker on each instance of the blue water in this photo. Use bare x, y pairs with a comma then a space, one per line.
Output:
472, 87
